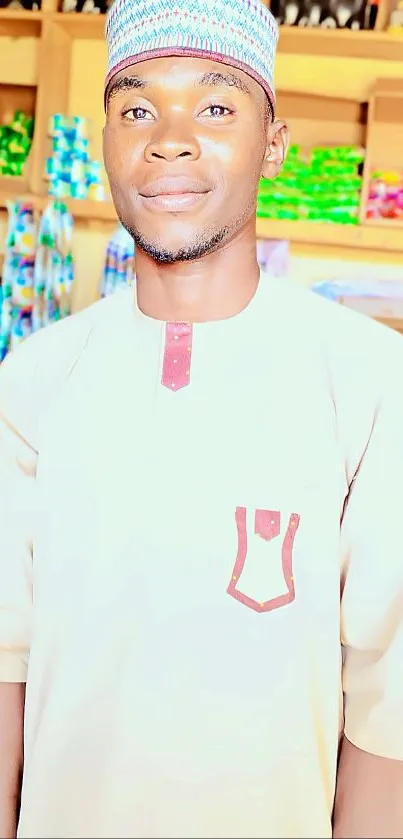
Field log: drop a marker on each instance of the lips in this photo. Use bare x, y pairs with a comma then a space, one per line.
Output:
178, 185
174, 194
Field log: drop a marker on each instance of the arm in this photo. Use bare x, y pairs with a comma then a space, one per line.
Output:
17, 481
369, 796
12, 698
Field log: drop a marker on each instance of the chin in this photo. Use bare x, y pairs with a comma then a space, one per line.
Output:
168, 251
172, 230
168, 239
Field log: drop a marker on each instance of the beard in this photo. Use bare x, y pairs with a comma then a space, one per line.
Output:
192, 251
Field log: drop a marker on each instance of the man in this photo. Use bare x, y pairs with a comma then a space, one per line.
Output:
201, 575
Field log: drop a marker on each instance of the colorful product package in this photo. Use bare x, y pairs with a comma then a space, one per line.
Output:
385, 197
18, 276
118, 269
15, 144
70, 170
323, 185
38, 272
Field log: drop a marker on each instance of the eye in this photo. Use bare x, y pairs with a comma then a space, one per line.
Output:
138, 114
217, 111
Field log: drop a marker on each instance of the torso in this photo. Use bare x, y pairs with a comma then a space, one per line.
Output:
184, 678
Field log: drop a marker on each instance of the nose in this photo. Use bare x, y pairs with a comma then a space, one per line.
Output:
172, 142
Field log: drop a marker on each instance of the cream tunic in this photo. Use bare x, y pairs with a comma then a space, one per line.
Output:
171, 562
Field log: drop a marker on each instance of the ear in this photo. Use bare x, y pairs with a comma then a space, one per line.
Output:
278, 139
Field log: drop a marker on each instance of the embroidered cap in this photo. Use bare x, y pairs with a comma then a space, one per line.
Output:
241, 33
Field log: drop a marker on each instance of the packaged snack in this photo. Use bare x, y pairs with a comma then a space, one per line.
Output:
321, 185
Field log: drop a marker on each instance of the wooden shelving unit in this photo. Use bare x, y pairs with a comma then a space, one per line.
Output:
16, 23
325, 80
341, 43
84, 26
342, 236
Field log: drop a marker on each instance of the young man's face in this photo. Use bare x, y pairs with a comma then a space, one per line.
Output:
185, 142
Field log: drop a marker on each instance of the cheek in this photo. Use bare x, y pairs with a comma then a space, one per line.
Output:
121, 155
240, 154
225, 151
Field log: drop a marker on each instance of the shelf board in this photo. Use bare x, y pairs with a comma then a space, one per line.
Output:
81, 25
370, 236
385, 222
16, 23
340, 43
20, 14
362, 237
13, 188
93, 210
80, 209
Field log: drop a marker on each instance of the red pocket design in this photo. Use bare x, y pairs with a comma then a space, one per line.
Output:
267, 526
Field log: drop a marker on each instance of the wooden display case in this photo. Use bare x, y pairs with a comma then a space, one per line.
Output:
384, 140
55, 63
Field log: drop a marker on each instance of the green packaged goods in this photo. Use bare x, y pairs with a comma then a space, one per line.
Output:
15, 144
322, 184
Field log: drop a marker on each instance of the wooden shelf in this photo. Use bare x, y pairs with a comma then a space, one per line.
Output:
13, 188
96, 210
16, 23
370, 236
20, 14
324, 80
340, 43
80, 25
386, 222
363, 237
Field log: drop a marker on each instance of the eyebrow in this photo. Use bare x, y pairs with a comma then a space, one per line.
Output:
211, 79
125, 83
217, 79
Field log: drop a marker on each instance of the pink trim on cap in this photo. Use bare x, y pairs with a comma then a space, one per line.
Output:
191, 52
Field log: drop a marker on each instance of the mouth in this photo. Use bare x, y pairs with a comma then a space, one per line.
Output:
174, 195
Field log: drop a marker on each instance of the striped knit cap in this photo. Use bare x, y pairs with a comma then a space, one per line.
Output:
241, 33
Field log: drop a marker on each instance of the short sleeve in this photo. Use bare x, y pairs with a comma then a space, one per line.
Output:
372, 585
17, 481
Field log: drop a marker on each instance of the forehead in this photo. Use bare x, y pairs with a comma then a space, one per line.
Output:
186, 73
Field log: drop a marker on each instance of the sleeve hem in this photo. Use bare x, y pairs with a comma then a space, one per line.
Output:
389, 745
13, 666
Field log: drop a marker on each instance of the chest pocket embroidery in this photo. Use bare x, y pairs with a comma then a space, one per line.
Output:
263, 572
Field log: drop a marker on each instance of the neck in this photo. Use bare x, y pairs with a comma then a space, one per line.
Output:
218, 286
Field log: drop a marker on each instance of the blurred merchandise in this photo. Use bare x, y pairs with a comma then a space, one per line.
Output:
385, 196
38, 272
118, 270
381, 300
18, 276
15, 144
70, 171
54, 266
322, 185
273, 256
396, 20
328, 14
27, 5
86, 6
